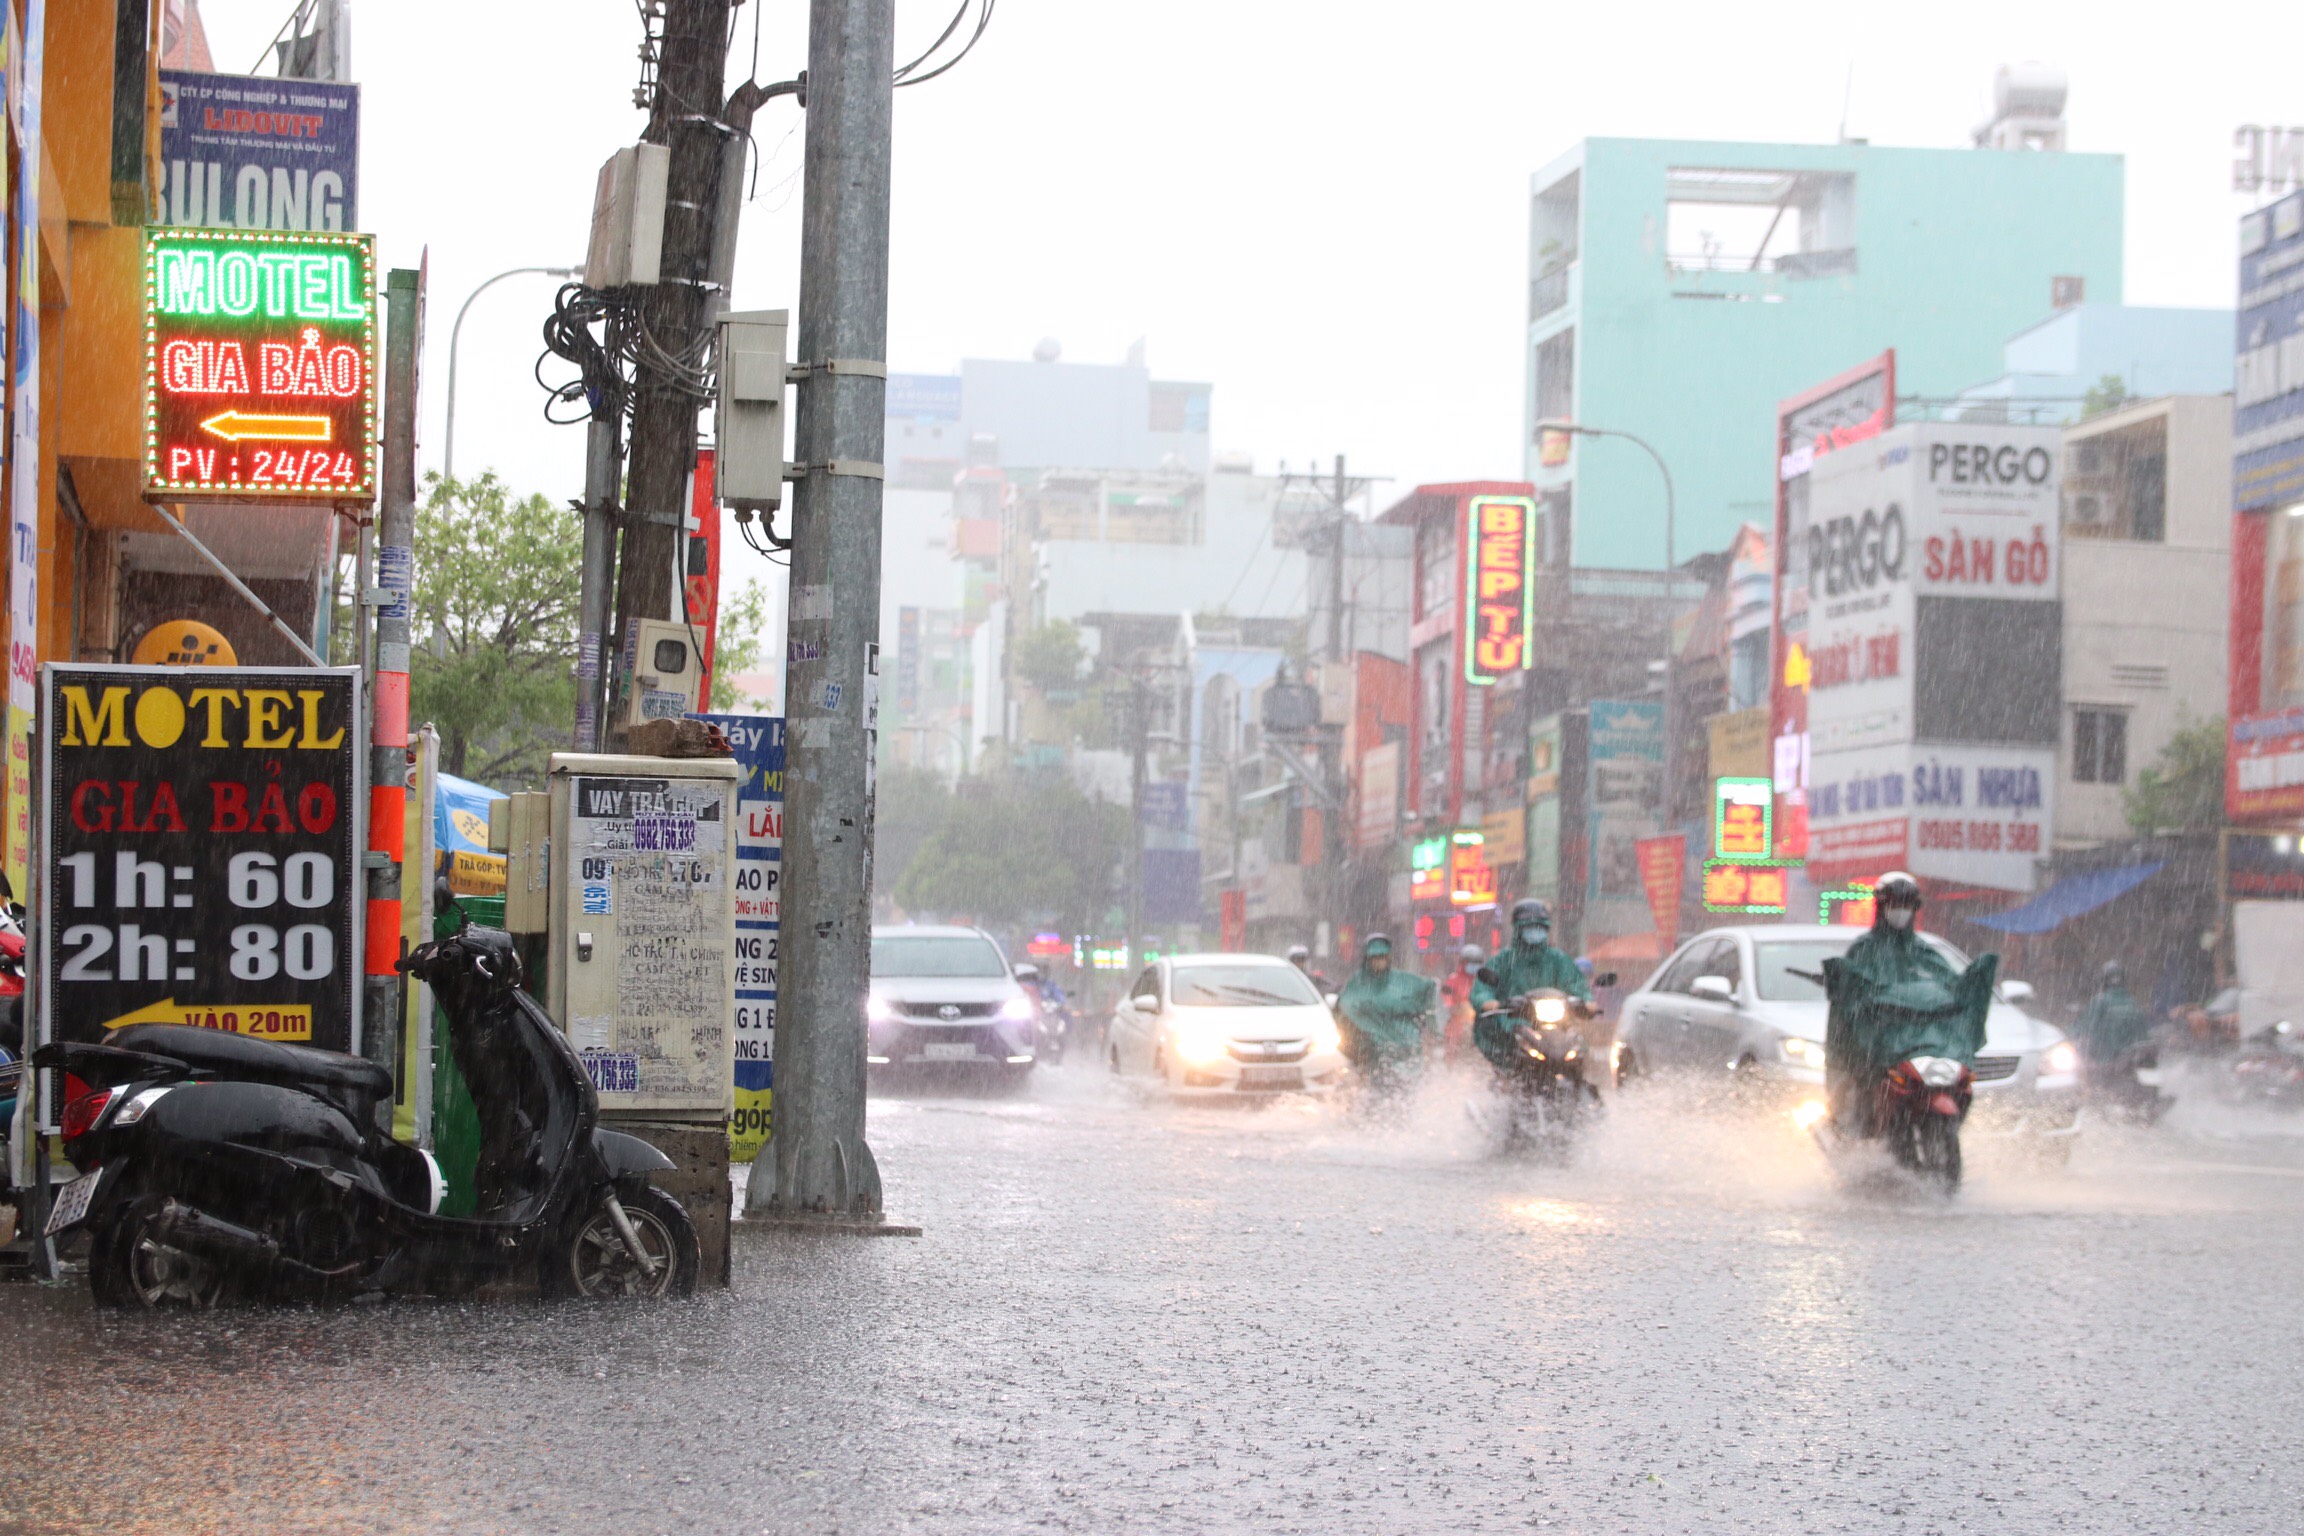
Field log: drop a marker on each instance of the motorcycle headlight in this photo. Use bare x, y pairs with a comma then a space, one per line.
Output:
1551, 1010
1936, 1071
1199, 1046
2059, 1060
1017, 1010
1803, 1053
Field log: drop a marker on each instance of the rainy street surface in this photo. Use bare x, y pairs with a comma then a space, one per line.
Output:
1137, 1315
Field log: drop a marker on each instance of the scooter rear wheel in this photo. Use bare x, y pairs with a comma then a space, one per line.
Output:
594, 1261
129, 1265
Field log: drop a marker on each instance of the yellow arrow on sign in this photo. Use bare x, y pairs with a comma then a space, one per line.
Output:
233, 426
163, 1012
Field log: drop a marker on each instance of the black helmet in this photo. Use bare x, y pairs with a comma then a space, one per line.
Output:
1896, 889
1529, 910
2113, 975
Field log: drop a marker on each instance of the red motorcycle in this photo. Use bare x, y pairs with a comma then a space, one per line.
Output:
1917, 1109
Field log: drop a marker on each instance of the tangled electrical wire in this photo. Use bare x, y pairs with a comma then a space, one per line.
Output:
908, 74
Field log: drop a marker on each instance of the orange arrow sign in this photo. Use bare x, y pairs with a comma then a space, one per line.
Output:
233, 426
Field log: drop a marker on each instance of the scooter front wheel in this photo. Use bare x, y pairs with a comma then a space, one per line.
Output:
597, 1258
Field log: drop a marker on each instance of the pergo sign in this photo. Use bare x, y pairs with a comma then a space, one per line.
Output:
259, 365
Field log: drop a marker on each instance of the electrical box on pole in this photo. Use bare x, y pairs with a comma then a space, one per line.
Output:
642, 917
748, 423
627, 248
666, 671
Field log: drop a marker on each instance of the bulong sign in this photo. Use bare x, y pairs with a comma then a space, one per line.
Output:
259, 365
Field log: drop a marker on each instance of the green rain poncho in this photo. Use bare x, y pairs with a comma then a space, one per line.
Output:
2112, 1022
1387, 1016
1894, 996
1519, 970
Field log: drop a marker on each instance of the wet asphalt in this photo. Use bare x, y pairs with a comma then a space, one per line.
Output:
1132, 1314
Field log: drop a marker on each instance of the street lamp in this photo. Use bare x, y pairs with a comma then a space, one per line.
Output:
1557, 430
448, 448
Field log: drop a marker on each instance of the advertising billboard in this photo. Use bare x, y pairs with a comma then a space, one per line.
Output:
1974, 814
1854, 407
2264, 757
1500, 541
259, 366
256, 152
198, 861
758, 741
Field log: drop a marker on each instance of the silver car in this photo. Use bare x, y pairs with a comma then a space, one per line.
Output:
944, 998
1741, 1002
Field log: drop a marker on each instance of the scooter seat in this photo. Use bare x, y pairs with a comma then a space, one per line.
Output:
237, 1056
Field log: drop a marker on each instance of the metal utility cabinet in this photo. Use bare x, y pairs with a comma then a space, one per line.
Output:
642, 930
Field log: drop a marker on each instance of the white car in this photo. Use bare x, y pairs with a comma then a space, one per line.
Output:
1226, 1024
1740, 1001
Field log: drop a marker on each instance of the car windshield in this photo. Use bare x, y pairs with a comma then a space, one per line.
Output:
921, 955
1789, 969
1242, 986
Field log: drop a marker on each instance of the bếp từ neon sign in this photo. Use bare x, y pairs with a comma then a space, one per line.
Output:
1499, 600
259, 365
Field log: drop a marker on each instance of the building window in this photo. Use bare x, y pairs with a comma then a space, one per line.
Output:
1556, 378
2116, 484
1732, 219
1435, 566
2100, 746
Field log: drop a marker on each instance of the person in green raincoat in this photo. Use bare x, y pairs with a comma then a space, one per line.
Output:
1385, 1015
2113, 1022
1894, 997
1528, 964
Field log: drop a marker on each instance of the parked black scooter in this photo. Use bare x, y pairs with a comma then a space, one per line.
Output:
216, 1165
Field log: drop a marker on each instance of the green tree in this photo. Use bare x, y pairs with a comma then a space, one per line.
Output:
909, 806
2183, 790
494, 627
740, 646
2108, 393
1051, 656
1017, 848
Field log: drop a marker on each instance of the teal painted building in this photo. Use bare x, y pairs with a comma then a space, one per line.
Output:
1678, 290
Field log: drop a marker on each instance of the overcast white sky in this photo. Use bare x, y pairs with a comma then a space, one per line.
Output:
1316, 205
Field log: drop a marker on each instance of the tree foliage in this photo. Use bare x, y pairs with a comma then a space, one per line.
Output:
494, 627
2108, 393
740, 646
2183, 790
1018, 848
1051, 656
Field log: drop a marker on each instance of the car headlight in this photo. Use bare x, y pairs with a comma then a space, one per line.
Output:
1199, 1046
1327, 1037
1803, 1053
877, 1008
2059, 1060
1017, 1010
1551, 1010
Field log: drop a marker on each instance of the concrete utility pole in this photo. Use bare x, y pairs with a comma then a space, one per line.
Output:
677, 313
823, 1167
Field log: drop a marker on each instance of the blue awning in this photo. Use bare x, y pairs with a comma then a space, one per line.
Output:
2068, 898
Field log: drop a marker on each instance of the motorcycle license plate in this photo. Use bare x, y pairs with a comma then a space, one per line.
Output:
1271, 1077
72, 1205
961, 1051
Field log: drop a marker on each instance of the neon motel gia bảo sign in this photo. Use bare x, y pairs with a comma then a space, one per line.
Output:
259, 365
1499, 599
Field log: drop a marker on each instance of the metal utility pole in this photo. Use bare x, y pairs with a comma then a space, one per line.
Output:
1139, 742
676, 313
388, 684
823, 1167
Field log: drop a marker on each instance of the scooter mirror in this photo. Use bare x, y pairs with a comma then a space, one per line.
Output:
1486, 977
1604, 979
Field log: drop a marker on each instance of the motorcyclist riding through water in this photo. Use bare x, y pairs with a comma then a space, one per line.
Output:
1898, 1006
2114, 1037
1456, 997
1300, 956
1386, 1018
1528, 964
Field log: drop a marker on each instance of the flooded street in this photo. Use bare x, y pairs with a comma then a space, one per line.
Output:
1136, 1314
